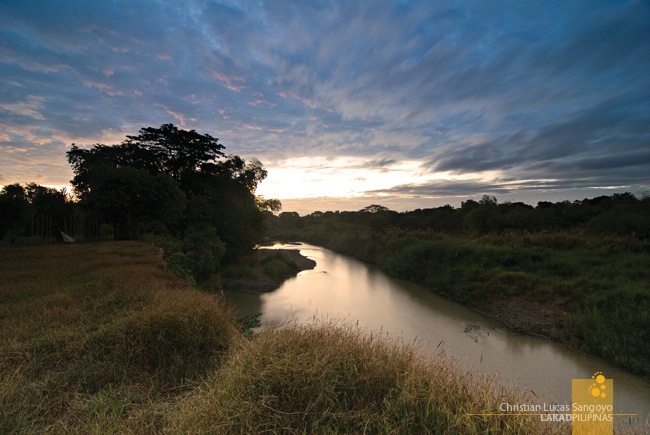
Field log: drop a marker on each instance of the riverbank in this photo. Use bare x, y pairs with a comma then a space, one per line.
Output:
588, 293
528, 316
102, 338
265, 270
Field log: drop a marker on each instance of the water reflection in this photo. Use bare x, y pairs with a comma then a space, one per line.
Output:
343, 288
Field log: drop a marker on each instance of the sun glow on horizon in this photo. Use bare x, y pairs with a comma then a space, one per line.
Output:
348, 177
311, 177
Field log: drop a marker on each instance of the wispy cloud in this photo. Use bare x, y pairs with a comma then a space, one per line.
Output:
535, 90
28, 108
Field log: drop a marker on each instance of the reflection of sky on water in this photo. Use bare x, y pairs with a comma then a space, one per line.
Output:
340, 288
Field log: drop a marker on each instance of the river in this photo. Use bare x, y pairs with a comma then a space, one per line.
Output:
342, 289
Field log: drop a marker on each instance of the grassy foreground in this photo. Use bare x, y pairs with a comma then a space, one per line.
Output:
101, 338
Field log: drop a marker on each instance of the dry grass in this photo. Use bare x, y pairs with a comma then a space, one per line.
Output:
98, 337
333, 379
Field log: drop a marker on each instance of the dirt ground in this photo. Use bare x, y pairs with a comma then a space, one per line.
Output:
528, 316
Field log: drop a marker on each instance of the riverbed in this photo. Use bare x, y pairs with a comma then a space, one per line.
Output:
342, 289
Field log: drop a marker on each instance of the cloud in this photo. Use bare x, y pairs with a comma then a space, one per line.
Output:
456, 188
535, 90
607, 133
28, 108
379, 163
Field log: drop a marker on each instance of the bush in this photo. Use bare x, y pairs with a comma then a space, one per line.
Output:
279, 266
195, 257
203, 251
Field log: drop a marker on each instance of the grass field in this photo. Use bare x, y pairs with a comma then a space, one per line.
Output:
102, 338
97, 337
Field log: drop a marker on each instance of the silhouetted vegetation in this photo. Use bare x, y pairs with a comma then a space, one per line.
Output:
584, 262
171, 181
620, 214
175, 186
34, 212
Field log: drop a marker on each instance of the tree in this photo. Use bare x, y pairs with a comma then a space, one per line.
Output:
13, 203
133, 199
48, 206
377, 217
122, 180
374, 209
227, 205
488, 200
484, 217
268, 205
167, 150
248, 174
174, 152
46, 200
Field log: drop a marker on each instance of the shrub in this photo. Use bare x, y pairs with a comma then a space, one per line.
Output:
204, 251
279, 266
195, 257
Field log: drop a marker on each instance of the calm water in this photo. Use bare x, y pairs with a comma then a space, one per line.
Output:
341, 288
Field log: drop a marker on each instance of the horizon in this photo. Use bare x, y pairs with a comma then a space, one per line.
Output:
307, 206
407, 105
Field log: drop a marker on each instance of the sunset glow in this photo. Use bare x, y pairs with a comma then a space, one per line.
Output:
311, 177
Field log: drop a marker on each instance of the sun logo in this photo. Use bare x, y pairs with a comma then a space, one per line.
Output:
598, 389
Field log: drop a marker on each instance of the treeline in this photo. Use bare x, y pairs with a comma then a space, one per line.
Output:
35, 212
175, 186
620, 214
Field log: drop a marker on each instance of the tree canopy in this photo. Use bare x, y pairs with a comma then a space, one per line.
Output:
168, 150
173, 180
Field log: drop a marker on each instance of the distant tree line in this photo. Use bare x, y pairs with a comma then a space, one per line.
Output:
34, 211
620, 214
164, 181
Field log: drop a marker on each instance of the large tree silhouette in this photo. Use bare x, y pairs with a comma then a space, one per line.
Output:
219, 190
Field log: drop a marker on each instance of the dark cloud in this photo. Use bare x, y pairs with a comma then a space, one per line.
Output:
442, 188
613, 134
464, 188
380, 163
534, 90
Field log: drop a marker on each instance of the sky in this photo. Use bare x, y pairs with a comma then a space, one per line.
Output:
347, 103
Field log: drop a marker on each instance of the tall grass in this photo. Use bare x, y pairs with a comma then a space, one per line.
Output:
93, 335
334, 379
